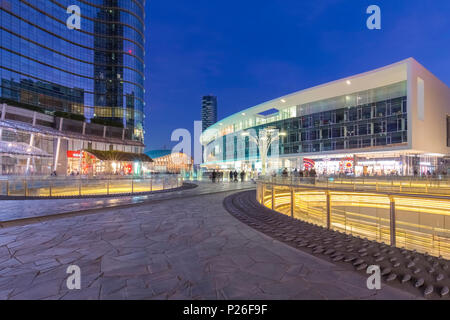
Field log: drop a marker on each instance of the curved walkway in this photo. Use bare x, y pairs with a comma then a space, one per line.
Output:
26, 211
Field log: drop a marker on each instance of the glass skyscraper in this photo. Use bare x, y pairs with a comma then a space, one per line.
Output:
209, 111
96, 73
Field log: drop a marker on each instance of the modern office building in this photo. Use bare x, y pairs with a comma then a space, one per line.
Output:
65, 91
392, 120
209, 111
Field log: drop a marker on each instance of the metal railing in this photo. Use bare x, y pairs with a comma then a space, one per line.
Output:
78, 186
429, 186
420, 222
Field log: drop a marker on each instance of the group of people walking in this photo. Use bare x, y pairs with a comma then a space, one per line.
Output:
311, 173
233, 176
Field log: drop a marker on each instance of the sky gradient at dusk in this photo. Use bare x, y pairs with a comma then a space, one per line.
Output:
248, 52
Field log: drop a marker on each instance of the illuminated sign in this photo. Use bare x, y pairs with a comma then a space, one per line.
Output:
74, 154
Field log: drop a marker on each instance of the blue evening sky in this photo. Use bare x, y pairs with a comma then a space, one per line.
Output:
248, 52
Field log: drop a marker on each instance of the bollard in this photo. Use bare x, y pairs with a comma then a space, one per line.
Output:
392, 221
292, 202
273, 197
328, 210
25, 188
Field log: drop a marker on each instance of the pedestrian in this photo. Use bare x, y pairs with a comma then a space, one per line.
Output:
242, 175
235, 174
231, 175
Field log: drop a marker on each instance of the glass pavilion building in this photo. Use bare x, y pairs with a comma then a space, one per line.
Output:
392, 120
64, 91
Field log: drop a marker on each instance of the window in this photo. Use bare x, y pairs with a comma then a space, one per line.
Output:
396, 138
379, 127
381, 141
340, 116
353, 144
362, 130
392, 125
351, 130
353, 114
367, 112
336, 132
396, 106
381, 109
340, 145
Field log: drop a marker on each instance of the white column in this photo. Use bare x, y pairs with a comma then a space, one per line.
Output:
58, 146
29, 158
3, 111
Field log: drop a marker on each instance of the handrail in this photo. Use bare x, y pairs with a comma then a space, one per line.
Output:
427, 187
414, 221
83, 186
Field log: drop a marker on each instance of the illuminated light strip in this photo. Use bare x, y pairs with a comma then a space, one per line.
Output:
306, 203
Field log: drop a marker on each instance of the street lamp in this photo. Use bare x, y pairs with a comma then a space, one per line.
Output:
265, 139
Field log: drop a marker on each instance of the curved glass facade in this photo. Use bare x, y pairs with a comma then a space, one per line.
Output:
331, 131
97, 71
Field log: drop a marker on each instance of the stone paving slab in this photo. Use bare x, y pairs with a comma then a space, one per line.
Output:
185, 248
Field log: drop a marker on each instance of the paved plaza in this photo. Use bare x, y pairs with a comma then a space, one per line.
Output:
182, 245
